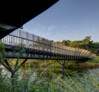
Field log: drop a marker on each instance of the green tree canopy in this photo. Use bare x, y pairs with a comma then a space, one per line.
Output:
66, 42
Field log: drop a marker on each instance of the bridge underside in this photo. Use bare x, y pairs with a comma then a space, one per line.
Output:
15, 13
38, 54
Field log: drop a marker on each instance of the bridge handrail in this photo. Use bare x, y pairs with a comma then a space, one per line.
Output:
35, 42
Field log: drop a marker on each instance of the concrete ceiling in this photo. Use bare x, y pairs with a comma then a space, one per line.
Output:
15, 13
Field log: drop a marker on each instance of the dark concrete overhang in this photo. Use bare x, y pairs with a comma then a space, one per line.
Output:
15, 13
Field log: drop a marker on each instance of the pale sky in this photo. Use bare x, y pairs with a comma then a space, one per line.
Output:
67, 20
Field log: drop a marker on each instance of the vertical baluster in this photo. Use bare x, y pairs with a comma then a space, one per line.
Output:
33, 41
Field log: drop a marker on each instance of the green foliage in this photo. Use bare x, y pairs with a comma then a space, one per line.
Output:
80, 82
86, 43
35, 88
2, 52
83, 81
21, 49
87, 40
76, 44
6, 64
66, 42
95, 60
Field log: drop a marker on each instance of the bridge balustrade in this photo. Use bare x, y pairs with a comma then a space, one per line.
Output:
38, 43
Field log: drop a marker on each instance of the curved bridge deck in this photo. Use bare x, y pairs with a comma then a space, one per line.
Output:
40, 48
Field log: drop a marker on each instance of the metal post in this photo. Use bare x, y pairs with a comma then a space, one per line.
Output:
63, 67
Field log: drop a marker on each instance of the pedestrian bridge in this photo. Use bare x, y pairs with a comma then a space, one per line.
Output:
36, 47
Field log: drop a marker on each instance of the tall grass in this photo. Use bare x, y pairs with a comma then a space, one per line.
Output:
50, 79
46, 80
79, 82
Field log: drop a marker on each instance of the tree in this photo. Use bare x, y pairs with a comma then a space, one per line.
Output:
66, 42
76, 44
87, 40
5, 62
58, 42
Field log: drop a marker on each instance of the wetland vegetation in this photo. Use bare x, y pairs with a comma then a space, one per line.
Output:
46, 75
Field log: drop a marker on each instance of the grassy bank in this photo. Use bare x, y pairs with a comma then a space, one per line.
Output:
49, 79
87, 81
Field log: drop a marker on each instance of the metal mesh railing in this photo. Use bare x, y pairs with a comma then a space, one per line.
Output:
38, 43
